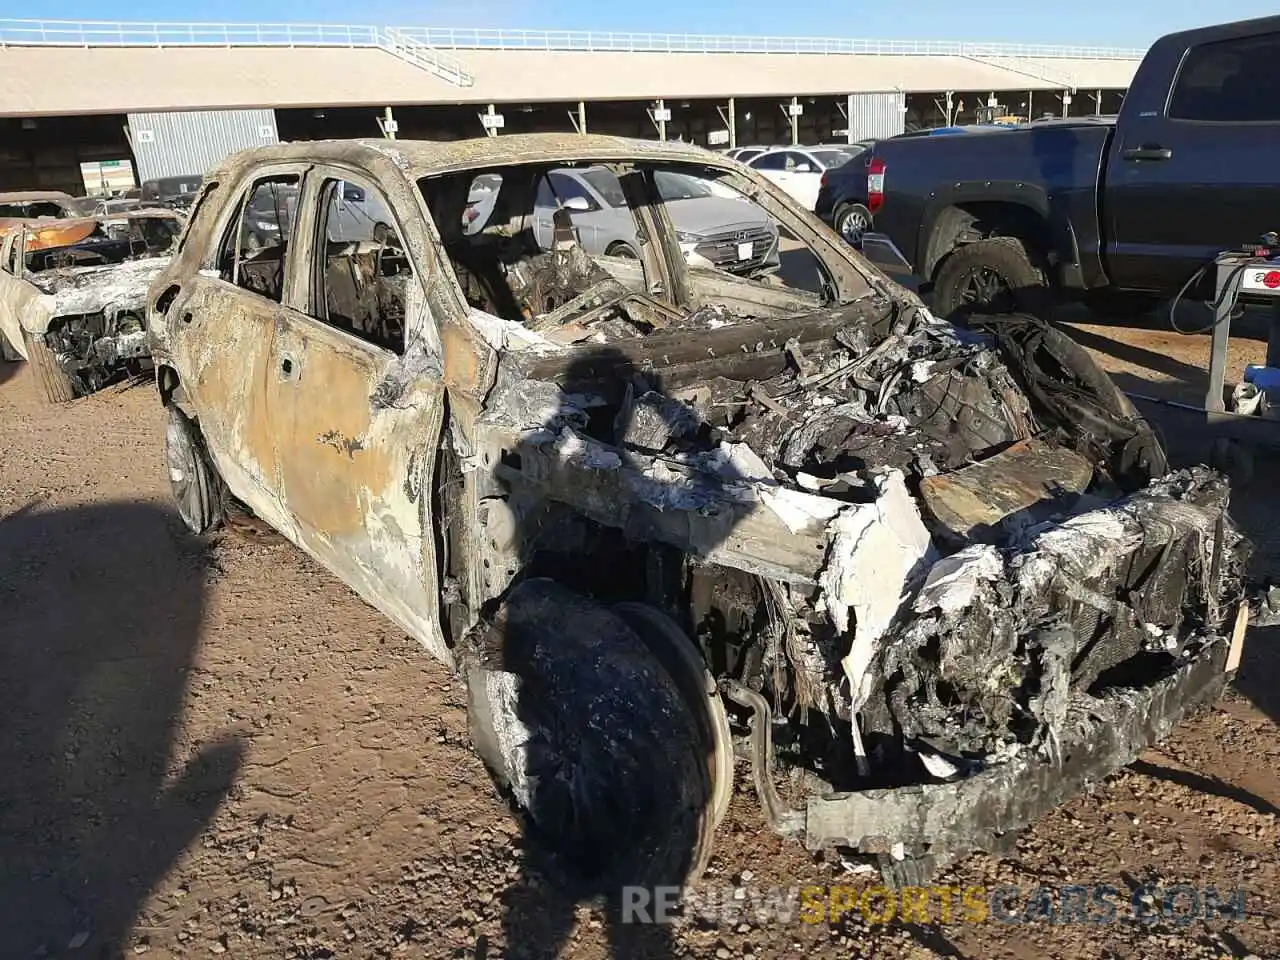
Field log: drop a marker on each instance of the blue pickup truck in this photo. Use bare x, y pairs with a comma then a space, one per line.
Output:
1118, 211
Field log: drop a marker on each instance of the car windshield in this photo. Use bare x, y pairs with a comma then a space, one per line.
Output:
606, 184
832, 158
680, 186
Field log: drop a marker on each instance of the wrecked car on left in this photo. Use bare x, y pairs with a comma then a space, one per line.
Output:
73, 293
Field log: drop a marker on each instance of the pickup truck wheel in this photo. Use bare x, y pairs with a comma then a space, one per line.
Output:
593, 739
990, 276
197, 487
851, 221
55, 384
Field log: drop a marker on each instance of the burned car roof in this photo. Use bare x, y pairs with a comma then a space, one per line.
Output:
436, 156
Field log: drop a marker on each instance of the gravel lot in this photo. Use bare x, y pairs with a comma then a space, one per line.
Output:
216, 748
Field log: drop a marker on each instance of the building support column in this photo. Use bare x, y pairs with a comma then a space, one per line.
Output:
846, 111
793, 111
579, 119
387, 124
659, 114
492, 121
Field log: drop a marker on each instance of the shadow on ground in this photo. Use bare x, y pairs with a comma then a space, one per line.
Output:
101, 618
9, 370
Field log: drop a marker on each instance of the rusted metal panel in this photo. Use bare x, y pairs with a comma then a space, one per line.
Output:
195, 141
973, 501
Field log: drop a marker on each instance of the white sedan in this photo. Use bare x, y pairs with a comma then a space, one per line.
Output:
798, 170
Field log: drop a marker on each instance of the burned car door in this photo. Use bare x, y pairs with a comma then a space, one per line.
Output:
355, 398
221, 327
11, 346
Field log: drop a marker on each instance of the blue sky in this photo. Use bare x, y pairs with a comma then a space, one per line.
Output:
1127, 23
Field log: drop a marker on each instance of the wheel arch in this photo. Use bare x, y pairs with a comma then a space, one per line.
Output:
1022, 213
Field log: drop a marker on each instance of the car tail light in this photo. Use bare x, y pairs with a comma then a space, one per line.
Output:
875, 184
822, 181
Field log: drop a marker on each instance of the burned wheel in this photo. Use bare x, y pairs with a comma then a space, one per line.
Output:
988, 277
55, 384
580, 722
197, 487
623, 251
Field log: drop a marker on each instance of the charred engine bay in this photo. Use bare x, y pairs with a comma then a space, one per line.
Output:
927, 550
97, 329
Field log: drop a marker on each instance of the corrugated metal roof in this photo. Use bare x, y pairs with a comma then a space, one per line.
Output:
48, 81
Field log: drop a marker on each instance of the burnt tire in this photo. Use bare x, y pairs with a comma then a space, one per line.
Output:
7, 353
623, 251
989, 277
54, 382
197, 486
583, 727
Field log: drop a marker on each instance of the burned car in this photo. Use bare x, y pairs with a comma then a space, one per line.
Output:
672, 525
33, 205
73, 296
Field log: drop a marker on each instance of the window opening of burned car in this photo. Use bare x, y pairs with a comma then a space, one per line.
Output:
363, 277
254, 247
201, 201
719, 227
506, 230
104, 241
31, 210
528, 261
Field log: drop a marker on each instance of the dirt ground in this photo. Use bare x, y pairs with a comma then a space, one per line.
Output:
216, 748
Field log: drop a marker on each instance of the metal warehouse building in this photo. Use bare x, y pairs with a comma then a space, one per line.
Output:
175, 98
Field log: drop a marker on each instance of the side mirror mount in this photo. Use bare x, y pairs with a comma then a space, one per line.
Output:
801, 168
577, 204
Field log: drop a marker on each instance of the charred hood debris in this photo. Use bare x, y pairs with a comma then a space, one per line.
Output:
89, 280
941, 574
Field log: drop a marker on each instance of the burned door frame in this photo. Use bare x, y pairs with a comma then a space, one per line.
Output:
237, 360
355, 472
10, 323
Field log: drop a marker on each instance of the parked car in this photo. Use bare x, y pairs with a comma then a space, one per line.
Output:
842, 199
1122, 212
73, 292
556, 470
177, 192
799, 170
717, 230
743, 154
18, 206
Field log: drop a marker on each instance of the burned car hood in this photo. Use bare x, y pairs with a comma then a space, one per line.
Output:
99, 289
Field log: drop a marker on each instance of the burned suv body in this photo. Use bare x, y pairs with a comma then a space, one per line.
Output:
653, 511
73, 295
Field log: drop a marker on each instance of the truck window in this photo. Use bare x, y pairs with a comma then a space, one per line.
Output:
1230, 81
363, 275
253, 251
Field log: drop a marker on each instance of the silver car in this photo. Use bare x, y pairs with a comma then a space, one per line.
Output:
715, 227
